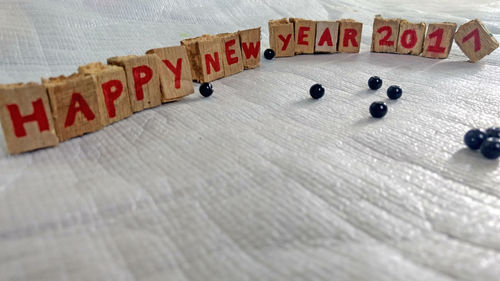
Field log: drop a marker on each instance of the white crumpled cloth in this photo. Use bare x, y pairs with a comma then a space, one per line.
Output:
257, 182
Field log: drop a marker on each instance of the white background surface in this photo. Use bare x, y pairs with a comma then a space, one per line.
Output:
257, 182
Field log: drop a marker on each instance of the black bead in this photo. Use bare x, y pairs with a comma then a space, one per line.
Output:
206, 89
378, 109
269, 54
493, 132
474, 138
317, 91
491, 148
394, 92
374, 82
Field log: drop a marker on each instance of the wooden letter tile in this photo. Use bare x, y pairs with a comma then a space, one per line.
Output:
411, 38
475, 40
385, 35
233, 62
281, 38
206, 54
26, 117
211, 52
112, 91
143, 80
74, 105
250, 47
193, 53
437, 43
175, 75
305, 33
327, 34
350, 36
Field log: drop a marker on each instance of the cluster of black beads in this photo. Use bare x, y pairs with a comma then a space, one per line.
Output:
488, 142
378, 109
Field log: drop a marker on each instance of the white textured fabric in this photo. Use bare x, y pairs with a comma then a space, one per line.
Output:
257, 182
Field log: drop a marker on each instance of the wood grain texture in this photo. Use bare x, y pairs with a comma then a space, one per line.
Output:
193, 52
258, 181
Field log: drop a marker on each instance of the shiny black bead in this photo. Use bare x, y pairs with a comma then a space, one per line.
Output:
394, 92
491, 148
374, 82
269, 54
474, 138
378, 109
206, 89
317, 91
493, 132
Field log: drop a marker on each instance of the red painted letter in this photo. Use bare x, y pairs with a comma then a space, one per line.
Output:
436, 48
78, 103
111, 91
142, 74
230, 52
350, 35
385, 41
210, 61
251, 51
477, 40
286, 41
325, 38
409, 38
38, 115
177, 70
302, 35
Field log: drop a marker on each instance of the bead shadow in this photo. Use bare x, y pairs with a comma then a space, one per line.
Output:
450, 67
366, 121
367, 93
307, 101
196, 97
466, 158
422, 64
388, 101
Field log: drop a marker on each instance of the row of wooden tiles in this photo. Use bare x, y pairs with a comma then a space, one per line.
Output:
289, 37
213, 57
37, 115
